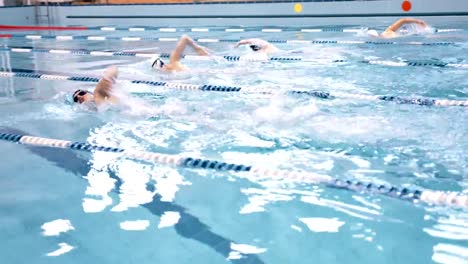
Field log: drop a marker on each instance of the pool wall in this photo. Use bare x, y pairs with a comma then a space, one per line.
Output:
17, 15
370, 12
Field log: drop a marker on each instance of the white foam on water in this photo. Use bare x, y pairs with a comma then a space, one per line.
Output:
134, 225
247, 249
64, 248
317, 224
55, 227
169, 219
450, 254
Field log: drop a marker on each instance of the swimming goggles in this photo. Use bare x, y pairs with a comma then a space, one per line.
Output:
158, 62
78, 93
255, 47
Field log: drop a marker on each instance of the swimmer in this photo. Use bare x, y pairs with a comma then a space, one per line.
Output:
263, 48
102, 93
258, 45
174, 63
391, 31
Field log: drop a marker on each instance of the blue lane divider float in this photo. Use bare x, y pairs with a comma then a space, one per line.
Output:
223, 88
275, 29
215, 40
452, 199
231, 57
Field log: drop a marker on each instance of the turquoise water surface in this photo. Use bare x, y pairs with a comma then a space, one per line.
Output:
60, 206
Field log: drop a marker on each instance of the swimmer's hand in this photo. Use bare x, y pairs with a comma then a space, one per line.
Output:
202, 51
111, 73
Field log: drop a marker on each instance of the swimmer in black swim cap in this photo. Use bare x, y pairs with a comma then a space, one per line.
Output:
174, 63
103, 91
258, 45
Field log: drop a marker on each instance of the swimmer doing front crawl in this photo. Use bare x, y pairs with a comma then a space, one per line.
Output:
259, 45
263, 46
174, 64
392, 30
103, 92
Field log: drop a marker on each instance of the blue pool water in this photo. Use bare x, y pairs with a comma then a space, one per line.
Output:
60, 206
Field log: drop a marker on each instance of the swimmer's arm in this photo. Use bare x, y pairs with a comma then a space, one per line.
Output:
400, 22
416, 21
176, 54
104, 87
265, 45
202, 51
243, 42
185, 40
253, 41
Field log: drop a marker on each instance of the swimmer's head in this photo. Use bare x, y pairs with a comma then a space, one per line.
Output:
255, 47
81, 96
157, 63
373, 33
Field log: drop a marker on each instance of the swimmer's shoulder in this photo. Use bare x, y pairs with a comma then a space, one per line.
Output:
389, 34
175, 66
101, 100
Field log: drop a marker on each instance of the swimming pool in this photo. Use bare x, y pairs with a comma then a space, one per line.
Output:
65, 206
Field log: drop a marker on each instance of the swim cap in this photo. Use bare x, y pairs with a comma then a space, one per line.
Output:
255, 47
258, 44
372, 33
156, 62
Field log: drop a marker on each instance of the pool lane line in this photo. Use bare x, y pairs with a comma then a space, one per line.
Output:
450, 199
230, 57
275, 29
247, 29
25, 73
216, 40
